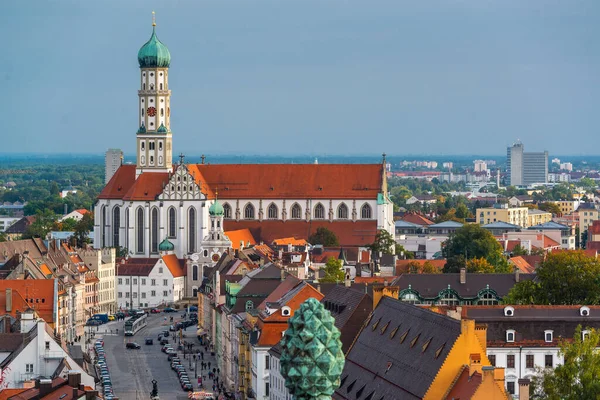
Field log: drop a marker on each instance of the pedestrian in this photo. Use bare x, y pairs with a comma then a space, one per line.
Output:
202, 355
209, 364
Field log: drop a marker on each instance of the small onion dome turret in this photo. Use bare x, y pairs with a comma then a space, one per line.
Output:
153, 53
166, 245
161, 129
216, 209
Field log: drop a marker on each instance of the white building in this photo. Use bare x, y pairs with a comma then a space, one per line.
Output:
103, 262
5, 222
150, 282
479, 166
112, 161
34, 353
75, 214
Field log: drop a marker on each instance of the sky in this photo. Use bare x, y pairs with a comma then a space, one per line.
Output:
306, 77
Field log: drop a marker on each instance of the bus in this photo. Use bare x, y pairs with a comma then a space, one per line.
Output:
135, 323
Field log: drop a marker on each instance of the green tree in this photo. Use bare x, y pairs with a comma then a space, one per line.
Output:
83, 227
550, 207
587, 183
400, 250
473, 241
333, 271
577, 378
384, 243
479, 265
562, 278
519, 250
429, 268
44, 221
462, 211
324, 237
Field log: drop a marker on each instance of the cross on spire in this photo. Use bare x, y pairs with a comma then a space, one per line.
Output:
181, 158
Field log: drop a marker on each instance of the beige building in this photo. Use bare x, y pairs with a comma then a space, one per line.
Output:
521, 216
538, 217
103, 262
567, 206
587, 214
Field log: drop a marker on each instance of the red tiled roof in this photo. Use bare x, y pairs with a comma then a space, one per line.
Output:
6, 394
135, 266
549, 242
82, 211
349, 233
119, 184
523, 266
238, 235
290, 240
18, 303
147, 186
417, 219
39, 293
175, 265
373, 279
324, 256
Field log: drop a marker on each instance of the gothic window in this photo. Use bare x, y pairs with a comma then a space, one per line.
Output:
160, 146
192, 230
154, 231
143, 145
116, 225
127, 228
195, 273
161, 86
142, 112
103, 216
319, 211
227, 211
365, 212
272, 212
139, 226
249, 211
172, 223
151, 86
144, 86
342, 212
296, 212
151, 145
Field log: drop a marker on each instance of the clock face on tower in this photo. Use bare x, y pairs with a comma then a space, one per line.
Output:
151, 111
215, 257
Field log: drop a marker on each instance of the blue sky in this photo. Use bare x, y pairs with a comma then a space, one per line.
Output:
307, 77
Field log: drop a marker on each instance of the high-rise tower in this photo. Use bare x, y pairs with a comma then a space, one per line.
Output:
154, 138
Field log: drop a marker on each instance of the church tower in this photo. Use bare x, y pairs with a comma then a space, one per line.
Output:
154, 138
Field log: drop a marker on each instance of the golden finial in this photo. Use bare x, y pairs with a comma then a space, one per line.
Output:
153, 18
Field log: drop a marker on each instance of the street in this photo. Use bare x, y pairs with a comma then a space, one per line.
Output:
132, 371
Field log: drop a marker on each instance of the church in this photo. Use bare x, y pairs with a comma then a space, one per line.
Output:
188, 208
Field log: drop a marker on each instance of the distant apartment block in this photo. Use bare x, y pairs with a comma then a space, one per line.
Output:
524, 169
521, 216
566, 166
112, 161
479, 165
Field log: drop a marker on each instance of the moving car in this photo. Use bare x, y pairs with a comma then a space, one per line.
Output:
169, 310
155, 311
149, 341
111, 318
132, 345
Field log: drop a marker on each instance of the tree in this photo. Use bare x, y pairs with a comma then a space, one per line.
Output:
473, 241
324, 237
587, 183
429, 268
562, 278
577, 378
333, 271
83, 227
519, 250
462, 211
384, 243
550, 207
400, 250
44, 220
480, 265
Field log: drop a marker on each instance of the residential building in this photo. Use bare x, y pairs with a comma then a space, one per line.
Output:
5, 222
503, 213
113, 159
567, 206
421, 199
68, 388
520, 201
444, 228
525, 169
500, 228
77, 215
538, 217
18, 228
523, 339
423, 246
563, 234
103, 263
408, 352
588, 213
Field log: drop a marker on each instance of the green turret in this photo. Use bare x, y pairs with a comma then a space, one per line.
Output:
312, 359
166, 245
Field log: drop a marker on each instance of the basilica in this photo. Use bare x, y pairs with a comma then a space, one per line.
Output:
189, 209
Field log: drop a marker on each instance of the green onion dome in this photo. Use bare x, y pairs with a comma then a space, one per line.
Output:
166, 245
216, 209
154, 54
161, 128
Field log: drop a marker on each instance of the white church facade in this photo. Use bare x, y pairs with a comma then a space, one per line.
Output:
156, 199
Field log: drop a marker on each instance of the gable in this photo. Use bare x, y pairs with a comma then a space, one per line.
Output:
182, 185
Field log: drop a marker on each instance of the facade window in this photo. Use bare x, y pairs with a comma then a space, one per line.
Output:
135, 295
365, 212
195, 273
492, 359
165, 293
449, 298
319, 211
510, 336
143, 281
29, 368
192, 230
272, 212
510, 387
120, 281
410, 298
267, 389
510, 361
153, 282
127, 281
296, 212
153, 293
139, 226
172, 223
226, 211
47, 345
116, 225
529, 361
487, 299
143, 295
120, 295
154, 231
127, 228
548, 336
135, 281
249, 211
160, 270
342, 212
165, 282
267, 360
548, 361
127, 294
103, 226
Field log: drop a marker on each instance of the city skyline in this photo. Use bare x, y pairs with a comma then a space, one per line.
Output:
330, 74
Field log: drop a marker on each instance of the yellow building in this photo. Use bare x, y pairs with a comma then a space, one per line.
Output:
502, 213
537, 217
566, 206
405, 349
587, 214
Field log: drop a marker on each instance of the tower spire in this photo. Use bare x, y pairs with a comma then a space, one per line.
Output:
153, 18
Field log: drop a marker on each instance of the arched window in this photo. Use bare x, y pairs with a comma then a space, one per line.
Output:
487, 299
127, 228
249, 211
319, 211
172, 223
273, 213
161, 86
195, 273
365, 212
296, 211
139, 227
103, 216
226, 211
342, 211
116, 225
154, 231
449, 298
410, 298
192, 230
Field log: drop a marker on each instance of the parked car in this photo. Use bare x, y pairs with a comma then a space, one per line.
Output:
169, 310
193, 308
165, 333
188, 387
132, 345
149, 341
111, 318
93, 322
155, 311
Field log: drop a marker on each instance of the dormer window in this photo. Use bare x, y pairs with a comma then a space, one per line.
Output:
584, 311
510, 336
585, 335
509, 311
548, 336
286, 311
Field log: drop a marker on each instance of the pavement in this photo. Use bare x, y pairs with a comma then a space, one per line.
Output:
132, 371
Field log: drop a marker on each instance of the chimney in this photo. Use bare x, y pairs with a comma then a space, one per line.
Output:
524, 389
347, 281
463, 276
45, 387
280, 254
319, 287
8, 300
282, 274
74, 379
517, 273
75, 393
91, 395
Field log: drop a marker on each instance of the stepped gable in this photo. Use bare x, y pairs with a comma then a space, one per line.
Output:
398, 352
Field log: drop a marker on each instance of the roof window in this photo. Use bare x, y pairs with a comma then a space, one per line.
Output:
510, 336
548, 336
509, 311
584, 311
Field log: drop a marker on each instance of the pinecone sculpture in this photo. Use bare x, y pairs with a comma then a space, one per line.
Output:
312, 359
